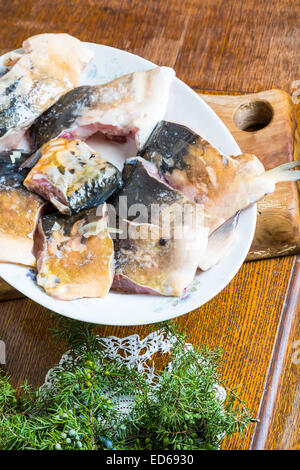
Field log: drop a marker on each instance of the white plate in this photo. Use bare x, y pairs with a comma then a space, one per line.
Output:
184, 107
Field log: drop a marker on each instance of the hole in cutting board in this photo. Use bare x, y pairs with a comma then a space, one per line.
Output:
253, 116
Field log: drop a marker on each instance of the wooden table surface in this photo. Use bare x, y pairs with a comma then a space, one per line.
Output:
233, 45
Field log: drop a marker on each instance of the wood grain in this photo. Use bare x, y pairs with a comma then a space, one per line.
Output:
152, 29
278, 214
281, 397
214, 45
284, 426
240, 45
7, 292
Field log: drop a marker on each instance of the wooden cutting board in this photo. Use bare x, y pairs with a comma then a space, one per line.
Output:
264, 124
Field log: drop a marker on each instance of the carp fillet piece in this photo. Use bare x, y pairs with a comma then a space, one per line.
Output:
75, 255
129, 106
72, 176
48, 66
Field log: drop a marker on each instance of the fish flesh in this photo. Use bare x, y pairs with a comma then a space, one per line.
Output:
148, 262
20, 211
75, 255
223, 185
193, 166
129, 106
48, 66
72, 176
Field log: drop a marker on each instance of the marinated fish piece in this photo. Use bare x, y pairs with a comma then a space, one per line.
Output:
224, 185
149, 263
19, 213
145, 198
129, 106
48, 67
72, 176
75, 255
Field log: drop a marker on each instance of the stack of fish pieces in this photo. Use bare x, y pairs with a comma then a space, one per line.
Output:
48, 66
63, 169
77, 250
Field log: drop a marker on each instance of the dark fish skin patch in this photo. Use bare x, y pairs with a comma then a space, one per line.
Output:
140, 188
10, 173
61, 115
11, 88
19, 106
169, 143
95, 193
65, 222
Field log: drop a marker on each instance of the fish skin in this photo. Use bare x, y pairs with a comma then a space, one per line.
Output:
160, 260
11, 175
142, 185
61, 115
129, 106
35, 79
72, 176
194, 167
71, 265
170, 141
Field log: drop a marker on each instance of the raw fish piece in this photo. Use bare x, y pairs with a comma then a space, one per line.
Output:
147, 262
224, 185
19, 212
145, 194
72, 176
129, 106
48, 67
75, 255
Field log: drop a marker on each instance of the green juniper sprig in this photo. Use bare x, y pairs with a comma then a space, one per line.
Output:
181, 409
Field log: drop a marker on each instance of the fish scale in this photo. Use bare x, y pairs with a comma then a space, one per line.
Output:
91, 181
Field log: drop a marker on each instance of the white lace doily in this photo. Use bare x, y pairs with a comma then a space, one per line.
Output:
134, 352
